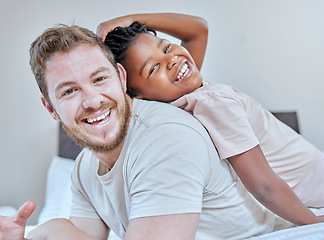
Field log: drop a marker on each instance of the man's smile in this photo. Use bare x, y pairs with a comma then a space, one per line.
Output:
100, 119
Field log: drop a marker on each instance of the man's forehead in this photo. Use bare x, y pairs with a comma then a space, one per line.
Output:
82, 54
81, 50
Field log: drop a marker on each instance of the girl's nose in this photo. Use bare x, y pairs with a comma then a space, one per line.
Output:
172, 61
92, 99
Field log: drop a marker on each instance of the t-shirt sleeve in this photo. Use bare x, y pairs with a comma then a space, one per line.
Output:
227, 123
168, 177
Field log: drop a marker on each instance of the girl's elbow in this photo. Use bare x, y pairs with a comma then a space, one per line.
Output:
204, 25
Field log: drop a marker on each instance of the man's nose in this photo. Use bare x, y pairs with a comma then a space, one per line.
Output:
92, 99
172, 61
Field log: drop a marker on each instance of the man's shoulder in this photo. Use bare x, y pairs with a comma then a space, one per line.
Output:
156, 113
162, 122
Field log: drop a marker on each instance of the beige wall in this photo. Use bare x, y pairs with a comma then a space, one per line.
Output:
272, 50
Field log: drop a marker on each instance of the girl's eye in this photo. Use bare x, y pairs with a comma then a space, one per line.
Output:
166, 49
153, 69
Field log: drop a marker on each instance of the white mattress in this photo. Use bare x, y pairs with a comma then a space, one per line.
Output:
308, 232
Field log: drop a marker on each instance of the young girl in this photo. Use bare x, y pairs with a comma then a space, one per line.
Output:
259, 147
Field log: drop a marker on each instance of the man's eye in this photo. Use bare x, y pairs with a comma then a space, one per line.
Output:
166, 49
100, 79
68, 92
153, 69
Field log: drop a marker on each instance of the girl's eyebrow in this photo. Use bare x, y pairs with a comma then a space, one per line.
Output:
146, 62
144, 65
160, 43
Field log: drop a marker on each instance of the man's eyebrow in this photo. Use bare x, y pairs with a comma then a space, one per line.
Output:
146, 62
62, 85
99, 70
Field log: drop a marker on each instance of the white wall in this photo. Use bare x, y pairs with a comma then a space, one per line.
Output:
272, 50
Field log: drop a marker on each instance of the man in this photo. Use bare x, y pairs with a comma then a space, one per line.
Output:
148, 170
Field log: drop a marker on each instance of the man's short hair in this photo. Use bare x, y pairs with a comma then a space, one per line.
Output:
61, 39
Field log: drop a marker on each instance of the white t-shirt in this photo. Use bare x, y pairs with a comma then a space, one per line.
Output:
168, 165
237, 123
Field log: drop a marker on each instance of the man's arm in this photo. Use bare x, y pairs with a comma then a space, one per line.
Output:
95, 228
172, 227
275, 194
73, 229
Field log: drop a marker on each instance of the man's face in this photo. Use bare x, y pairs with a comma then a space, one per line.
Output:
88, 97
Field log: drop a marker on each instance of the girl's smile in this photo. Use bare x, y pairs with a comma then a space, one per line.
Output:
159, 70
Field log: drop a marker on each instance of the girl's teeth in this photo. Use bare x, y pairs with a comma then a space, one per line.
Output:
182, 71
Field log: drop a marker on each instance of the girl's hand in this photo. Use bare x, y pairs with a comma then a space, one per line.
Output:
14, 227
321, 218
192, 31
106, 27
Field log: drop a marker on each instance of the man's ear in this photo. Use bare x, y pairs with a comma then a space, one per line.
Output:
123, 76
50, 109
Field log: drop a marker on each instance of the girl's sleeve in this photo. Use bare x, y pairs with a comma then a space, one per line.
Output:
227, 123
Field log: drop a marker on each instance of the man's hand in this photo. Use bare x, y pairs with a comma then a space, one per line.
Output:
13, 228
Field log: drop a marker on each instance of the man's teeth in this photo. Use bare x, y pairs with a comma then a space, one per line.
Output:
91, 120
183, 72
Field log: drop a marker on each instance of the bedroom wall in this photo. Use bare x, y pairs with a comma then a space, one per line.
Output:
272, 50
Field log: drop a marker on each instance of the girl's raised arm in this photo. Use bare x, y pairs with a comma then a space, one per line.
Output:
191, 30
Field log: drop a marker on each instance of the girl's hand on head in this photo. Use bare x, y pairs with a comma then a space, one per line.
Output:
191, 30
106, 27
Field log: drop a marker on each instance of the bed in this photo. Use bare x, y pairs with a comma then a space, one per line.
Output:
58, 195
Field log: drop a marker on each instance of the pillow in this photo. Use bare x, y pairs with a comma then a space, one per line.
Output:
7, 211
58, 196
67, 147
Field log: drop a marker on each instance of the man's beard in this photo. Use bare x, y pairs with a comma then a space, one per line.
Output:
85, 141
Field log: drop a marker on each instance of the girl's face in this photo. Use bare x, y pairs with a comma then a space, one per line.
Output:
158, 70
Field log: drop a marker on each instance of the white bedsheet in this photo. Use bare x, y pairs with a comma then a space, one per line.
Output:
308, 232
